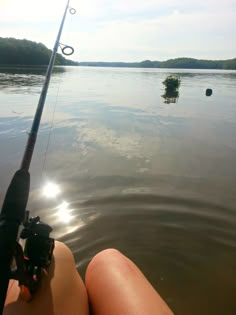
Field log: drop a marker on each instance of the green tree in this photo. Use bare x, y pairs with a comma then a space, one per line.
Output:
26, 52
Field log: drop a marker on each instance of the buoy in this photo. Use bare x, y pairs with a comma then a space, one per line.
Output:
208, 92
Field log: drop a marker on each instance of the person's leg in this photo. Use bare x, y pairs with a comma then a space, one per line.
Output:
61, 291
116, 286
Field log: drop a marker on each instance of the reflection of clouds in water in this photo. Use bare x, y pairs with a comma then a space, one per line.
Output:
130, 145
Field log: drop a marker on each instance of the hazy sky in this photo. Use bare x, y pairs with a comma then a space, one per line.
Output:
128, 30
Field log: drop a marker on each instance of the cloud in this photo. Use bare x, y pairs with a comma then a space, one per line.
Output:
30, 11
109, 9
128, 30
178, 34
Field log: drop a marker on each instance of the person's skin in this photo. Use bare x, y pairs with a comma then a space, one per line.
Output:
61, 292
114, 285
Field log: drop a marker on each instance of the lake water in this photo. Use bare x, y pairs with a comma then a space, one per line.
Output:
152, 177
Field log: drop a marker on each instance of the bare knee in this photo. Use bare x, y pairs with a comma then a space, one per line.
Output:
104, 258
105, 255
105, 261
62, 248
112, 274
63, 253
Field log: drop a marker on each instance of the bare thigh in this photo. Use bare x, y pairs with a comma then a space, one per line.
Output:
116, 286
61, 291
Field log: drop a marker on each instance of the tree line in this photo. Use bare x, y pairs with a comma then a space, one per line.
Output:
178, 63
25, 52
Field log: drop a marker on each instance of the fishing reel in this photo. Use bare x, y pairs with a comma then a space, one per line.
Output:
34, 257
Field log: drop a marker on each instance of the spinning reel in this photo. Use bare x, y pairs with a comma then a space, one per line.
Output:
34, 257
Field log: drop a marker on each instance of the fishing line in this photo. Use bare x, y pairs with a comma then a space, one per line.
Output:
51, 127
63, 52
35, 204
37, 252
34, 200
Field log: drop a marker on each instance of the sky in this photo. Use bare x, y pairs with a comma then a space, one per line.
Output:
127, 30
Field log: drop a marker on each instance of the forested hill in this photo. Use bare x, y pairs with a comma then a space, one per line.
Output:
25, 52
179, 63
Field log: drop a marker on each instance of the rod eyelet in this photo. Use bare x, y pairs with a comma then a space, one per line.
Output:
72, 11
71, 50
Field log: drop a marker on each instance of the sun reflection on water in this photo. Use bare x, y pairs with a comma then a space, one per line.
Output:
51, 190
64, 212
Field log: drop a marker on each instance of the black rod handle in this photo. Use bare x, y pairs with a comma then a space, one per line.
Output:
11, 217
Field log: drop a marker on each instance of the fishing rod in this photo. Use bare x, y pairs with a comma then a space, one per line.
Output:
25, 264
